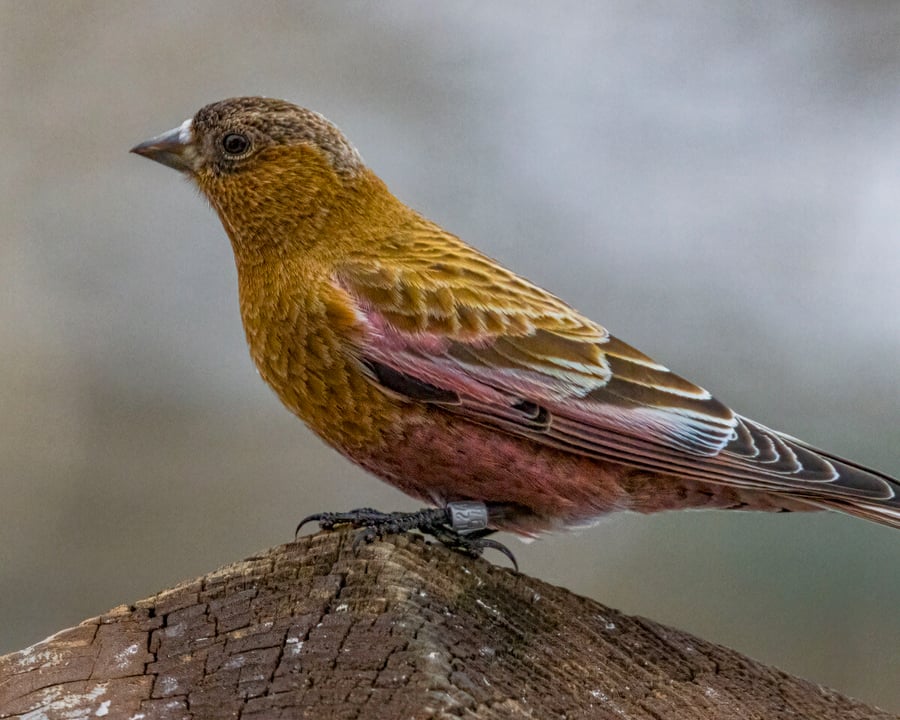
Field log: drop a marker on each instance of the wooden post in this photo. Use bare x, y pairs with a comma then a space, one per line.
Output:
396, 629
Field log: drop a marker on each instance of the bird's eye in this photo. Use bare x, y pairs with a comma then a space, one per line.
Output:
235, 143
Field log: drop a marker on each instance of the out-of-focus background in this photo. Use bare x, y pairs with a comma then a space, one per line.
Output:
717, 182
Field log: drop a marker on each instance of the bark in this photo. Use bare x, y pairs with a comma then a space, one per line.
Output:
396, 629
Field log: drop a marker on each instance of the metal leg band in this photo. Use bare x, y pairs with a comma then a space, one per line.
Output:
467, 516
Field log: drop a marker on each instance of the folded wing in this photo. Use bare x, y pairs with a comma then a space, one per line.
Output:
445, 325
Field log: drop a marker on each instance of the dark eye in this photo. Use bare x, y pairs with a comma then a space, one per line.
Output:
235, 143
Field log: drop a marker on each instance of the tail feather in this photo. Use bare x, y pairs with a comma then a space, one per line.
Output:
820, 478
852, 491
881, 514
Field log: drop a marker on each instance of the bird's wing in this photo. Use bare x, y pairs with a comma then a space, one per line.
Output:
448, 326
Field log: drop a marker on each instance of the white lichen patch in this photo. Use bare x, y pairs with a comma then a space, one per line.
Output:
234, 663
607, 624
36, 656
174, 631
56, 703
293, 645
123, 657
490, 608
167, 685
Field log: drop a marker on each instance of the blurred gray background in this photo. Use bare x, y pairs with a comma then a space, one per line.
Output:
715, 182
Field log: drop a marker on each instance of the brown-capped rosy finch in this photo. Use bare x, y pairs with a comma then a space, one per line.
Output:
453, 378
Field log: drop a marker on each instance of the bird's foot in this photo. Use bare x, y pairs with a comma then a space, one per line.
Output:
461, 526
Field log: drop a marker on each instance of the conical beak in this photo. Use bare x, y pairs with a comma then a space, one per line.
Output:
174, 148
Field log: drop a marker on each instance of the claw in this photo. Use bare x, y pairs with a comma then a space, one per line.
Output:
316, 517
485, 543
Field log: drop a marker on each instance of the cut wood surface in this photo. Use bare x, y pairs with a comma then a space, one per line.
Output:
396, 629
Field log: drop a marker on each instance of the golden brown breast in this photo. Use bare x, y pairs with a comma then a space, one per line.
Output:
298, 329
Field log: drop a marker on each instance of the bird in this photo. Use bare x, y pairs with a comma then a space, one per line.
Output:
462, 384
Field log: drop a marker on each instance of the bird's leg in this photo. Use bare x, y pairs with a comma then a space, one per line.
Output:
459, 525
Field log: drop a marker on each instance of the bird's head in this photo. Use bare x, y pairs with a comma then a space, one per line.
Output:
272, 170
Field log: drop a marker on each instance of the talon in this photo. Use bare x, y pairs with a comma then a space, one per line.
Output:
500, 547
316, 517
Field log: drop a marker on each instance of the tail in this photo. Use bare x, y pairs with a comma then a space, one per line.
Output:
884, 514
852, 491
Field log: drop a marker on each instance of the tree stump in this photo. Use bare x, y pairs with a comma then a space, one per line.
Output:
396, 629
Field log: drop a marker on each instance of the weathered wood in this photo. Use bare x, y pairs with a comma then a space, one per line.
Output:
397, 629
